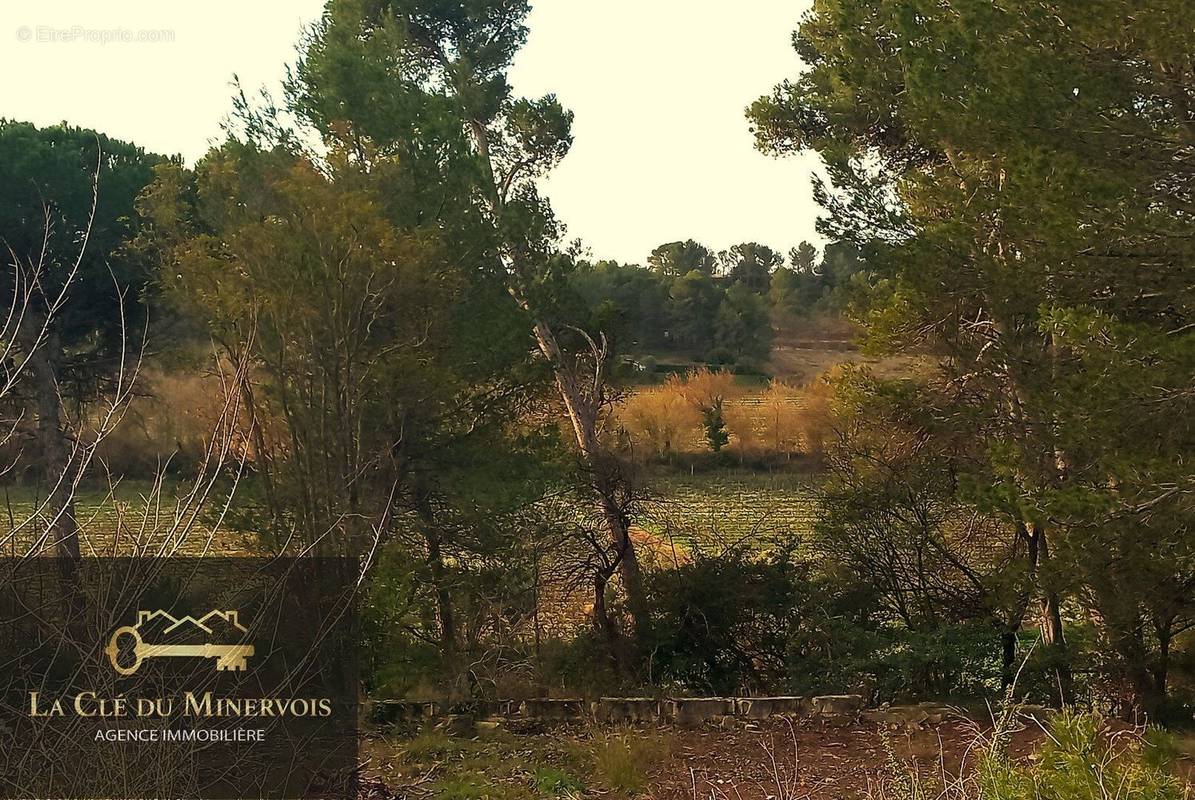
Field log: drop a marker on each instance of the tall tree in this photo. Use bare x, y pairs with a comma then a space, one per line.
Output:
743, 327
751, 264
695, 298
804, 258
437, 87
371, 392
676, 259
1016, 167
66, 216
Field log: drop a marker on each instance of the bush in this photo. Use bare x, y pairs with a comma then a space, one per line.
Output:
622, 762
556, 782
1081, 759
720, 624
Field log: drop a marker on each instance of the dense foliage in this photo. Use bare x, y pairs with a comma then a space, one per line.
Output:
718, 309
412, 367
1023, 173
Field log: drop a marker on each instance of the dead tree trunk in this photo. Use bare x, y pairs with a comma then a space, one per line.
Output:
608, 483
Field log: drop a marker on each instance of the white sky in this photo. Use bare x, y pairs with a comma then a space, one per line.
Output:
662, 149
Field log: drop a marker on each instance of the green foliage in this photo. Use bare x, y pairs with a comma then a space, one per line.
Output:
751, 264
90, 283
1081, 761
556, 782
477, 786
715, 426
695, 298
1000, 165
721, 624
743, 327
677, 259
623, 761
430, 745
1081, 758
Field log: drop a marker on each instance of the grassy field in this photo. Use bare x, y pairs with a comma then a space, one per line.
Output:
129, 519
715, 510
710, 510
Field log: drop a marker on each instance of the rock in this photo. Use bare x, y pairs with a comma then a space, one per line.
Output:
626, 710
554, 710
838, 705
694, 711
764, 707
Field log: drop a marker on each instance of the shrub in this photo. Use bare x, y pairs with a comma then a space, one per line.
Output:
556, 782
1081, 759
659, 417
623, 762
720, 624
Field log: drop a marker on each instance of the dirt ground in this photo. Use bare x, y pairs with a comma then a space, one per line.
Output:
757, 761
811, 759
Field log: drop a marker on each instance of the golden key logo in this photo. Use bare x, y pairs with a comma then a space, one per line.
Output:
128, 639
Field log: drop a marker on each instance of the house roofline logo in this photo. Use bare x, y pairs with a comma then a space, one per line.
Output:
227, 657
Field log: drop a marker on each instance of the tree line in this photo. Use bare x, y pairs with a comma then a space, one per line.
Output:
418, 372
721, 308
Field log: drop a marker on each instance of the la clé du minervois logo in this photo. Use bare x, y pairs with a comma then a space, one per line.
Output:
127, 650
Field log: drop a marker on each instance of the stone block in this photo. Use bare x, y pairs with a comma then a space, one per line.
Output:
554, 710
838, 705
765, 707
394, 712
694, 711
626, 710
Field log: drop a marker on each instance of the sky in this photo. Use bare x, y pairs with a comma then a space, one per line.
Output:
662, 148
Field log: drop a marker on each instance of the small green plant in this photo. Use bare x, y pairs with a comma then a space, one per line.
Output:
479, 786
556, 782
714, 423
1082, 759
622, 762
429, 746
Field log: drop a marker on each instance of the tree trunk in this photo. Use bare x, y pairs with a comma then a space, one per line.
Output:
583, 407
632, 579
1141, 682
583, 414
1008, 660
58, 467
444, 613
1050, 617
1161, 670
603, 625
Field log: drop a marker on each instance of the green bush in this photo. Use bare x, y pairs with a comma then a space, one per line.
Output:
720, 624
555, 782
622, 762
1083, 760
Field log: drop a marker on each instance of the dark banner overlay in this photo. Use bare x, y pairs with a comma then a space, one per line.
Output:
204, 678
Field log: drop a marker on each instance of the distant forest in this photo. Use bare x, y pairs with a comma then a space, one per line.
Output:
719, 308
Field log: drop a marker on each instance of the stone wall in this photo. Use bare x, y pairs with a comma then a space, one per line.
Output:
682, 711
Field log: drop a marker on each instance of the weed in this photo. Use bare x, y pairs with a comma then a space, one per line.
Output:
623, 761
555, 782
431, 745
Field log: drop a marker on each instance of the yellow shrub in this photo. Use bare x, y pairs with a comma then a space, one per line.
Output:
702, 387
782, 416
817, 415
659, 418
